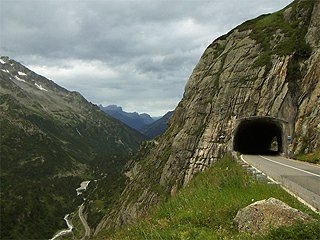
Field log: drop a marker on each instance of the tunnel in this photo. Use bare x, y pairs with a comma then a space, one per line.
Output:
258, 136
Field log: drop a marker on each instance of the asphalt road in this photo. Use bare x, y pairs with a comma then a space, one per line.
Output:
84, 223
301, 179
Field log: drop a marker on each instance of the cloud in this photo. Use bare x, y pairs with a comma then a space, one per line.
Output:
134, 53
83, 72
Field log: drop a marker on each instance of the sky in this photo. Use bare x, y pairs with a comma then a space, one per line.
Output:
137, 54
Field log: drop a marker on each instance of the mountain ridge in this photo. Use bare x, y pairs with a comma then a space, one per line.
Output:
158, 127
142, 122
51, 140
132, 119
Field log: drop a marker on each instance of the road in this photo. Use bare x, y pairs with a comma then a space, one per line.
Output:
83, 187
301, 179
84, 223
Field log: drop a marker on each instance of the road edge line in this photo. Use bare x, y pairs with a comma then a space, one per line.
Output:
271, 179
287, 190
286, 165
300, 199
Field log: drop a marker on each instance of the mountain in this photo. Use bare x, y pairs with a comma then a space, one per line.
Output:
261, 80
144, 123
157, 127
51, 140
134, 120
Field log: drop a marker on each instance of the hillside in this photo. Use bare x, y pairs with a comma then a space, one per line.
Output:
134, 120
143, 123
51, 140
263, 75
205, 209
158, 127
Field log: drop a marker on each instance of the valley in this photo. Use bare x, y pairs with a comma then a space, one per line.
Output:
143, 123
74, 170
51, 140
80, 190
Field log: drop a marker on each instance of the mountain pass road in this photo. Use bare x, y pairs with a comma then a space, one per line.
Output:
301, 179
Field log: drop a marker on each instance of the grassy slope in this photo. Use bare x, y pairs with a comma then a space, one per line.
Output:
264, 28
310, 157
206, 207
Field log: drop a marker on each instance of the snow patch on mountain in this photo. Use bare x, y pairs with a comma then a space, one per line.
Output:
19, 79
40, 87
22, 74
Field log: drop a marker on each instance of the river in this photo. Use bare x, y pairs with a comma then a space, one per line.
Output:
80, 190
66, 231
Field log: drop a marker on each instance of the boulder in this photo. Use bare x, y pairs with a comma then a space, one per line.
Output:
259, 217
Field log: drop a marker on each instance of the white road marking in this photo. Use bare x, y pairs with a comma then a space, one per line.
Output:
270, 178
284, 187
301, 170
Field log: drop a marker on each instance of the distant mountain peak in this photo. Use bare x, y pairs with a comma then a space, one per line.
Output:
133, 119
158, 127
113, 108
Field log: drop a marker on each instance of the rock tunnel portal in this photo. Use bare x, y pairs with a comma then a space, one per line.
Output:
259, 135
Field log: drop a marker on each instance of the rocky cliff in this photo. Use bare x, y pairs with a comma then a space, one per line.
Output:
265, 74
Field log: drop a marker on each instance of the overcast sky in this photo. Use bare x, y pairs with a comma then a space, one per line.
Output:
136, 54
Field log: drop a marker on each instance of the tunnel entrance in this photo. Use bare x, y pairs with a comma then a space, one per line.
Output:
259, 135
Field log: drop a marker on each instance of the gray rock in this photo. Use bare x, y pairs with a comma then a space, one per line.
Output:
259, 217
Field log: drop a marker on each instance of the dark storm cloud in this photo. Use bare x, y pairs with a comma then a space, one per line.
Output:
137, 54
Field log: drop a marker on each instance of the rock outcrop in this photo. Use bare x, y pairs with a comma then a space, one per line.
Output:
260, 217
267, 68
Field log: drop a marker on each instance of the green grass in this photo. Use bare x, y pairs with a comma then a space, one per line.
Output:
266, 26
206, 207
310, 157
296, 232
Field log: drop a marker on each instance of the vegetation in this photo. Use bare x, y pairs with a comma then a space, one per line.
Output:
206, 207
39, 174
78, 230
278, 36
309, 157
46, 153
101, 195
296, 232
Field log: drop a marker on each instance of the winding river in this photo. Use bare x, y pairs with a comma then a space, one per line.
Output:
80, 190
66, 231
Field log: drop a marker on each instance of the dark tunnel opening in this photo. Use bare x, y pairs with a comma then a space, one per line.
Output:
258, 136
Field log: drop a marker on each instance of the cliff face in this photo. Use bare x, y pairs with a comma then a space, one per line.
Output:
265, 71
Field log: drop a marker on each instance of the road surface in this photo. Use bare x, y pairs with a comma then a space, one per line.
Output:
84, 223
301, 179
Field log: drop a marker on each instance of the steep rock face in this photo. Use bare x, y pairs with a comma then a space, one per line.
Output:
307, 124
267, 67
